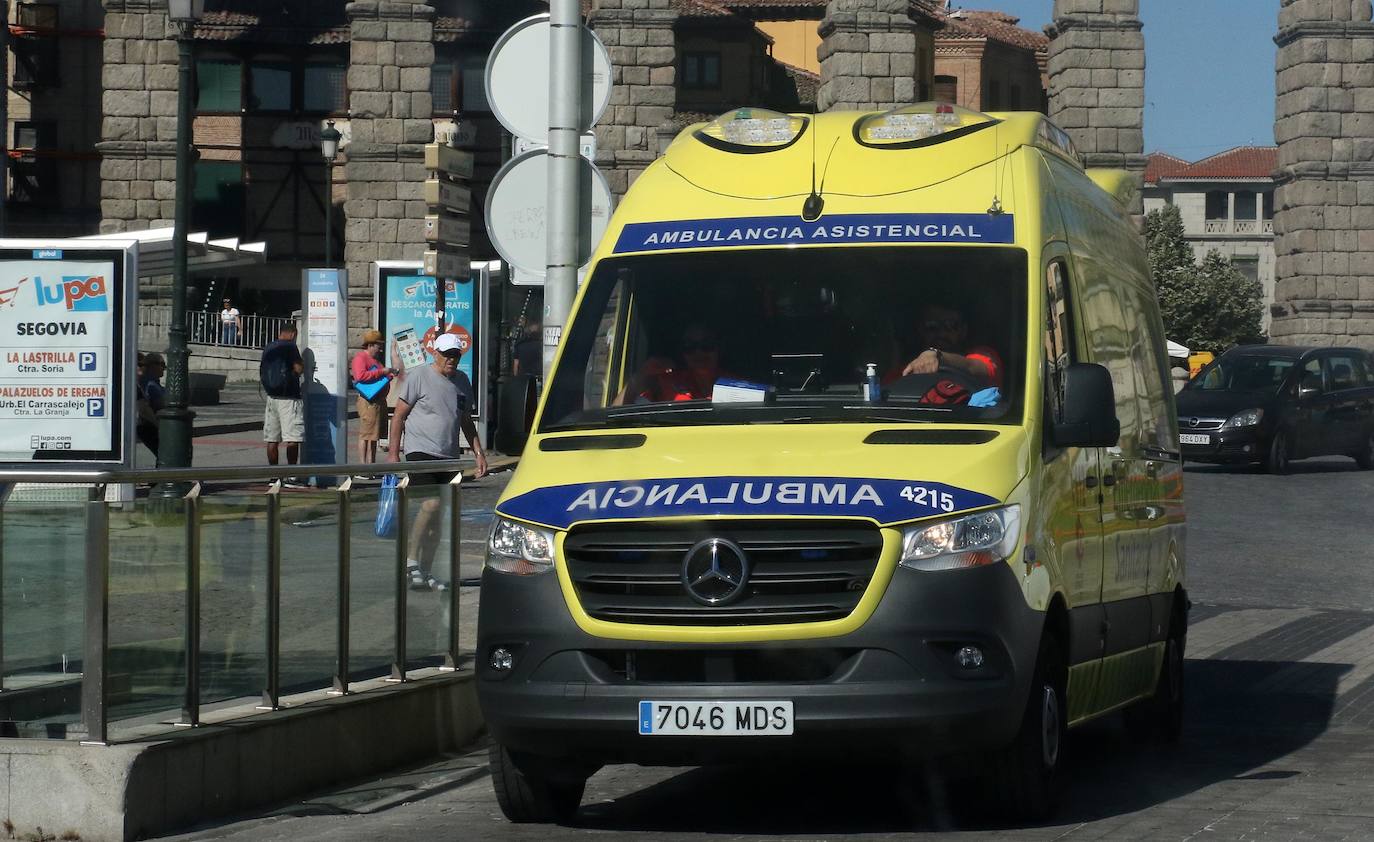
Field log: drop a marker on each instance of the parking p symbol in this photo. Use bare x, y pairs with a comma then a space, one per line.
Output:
85, 361
95, 407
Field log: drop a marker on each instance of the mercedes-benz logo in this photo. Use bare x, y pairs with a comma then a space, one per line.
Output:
715, 571
1194, 421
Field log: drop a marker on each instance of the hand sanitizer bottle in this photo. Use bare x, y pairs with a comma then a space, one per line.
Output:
873, 392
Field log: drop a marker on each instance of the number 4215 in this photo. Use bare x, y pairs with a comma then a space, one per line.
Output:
923, 496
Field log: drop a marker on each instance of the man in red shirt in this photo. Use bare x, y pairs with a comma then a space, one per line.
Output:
945, 332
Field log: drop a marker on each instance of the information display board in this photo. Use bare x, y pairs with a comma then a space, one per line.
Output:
66, 375
326, 372
406, 312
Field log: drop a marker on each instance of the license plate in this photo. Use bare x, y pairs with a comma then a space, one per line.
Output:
1193, 438
715, 719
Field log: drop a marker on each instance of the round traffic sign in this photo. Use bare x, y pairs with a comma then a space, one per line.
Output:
517, 79
517, 204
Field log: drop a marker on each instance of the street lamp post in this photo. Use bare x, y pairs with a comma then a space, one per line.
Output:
329, 147
174, 420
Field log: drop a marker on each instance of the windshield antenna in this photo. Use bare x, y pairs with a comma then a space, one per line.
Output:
814, 204
998, 172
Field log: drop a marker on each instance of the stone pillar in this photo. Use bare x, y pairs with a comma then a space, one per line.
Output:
1324, 202
138, 117
390, 108
868, 55
1097, 81
638, 34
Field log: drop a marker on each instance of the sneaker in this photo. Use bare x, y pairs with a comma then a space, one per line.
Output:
436, 584
295, 482
419, 581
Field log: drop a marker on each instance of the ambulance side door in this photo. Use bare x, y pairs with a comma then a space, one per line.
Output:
1072, 495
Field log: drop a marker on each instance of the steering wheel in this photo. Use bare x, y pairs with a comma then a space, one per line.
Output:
917, 385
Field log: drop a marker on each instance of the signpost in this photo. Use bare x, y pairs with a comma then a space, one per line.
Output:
570, 218
517, 218
66, 352
324, 346
446, 227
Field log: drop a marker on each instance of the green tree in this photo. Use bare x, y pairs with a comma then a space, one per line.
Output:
1209, 307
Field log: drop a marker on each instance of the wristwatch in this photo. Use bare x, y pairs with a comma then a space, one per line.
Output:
939, 357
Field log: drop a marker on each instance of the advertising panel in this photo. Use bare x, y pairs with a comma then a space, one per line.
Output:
407, 314
326, 381
63, 365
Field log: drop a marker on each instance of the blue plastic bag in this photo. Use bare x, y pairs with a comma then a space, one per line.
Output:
986, 397
385, 527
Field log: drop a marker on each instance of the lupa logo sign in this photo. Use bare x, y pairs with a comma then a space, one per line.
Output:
79, 294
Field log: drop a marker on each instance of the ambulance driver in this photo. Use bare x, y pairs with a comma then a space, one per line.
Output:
661, 380
944, 332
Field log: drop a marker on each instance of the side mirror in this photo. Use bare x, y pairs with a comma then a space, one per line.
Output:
1311, 384
515, 405
1089, 412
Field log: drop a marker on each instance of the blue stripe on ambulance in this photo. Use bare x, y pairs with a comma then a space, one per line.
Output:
886, 501
841, 228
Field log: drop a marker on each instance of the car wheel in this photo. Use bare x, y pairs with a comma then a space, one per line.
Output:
1160, 717
1028, 775
528, 793
1277, 460
1365, 458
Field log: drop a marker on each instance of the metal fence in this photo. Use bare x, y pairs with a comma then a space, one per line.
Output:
205, 327
222, 597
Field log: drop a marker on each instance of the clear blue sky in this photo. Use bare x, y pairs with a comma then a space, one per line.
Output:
1209, 70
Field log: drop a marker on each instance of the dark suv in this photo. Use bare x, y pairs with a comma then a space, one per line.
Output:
1272, 404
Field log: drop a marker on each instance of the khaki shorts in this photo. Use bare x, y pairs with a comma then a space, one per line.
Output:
283, 420
371, 420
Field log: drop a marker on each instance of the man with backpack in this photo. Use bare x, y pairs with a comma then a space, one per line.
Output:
284, 418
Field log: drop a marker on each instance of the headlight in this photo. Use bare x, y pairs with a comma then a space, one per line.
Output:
968, 541
1244, 418
515, 548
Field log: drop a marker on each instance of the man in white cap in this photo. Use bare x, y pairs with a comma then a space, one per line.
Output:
435, 402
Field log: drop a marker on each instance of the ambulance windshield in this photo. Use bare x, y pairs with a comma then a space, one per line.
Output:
794, 335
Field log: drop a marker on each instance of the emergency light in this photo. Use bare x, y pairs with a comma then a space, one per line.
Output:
752, 130
912, 124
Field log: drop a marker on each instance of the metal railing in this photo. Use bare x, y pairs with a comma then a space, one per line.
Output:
204, 327
207, 489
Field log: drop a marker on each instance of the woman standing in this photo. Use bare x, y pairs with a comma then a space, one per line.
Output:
368, 372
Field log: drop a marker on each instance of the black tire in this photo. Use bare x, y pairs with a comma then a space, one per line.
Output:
1280, 452
526, 795
1028, 775
1365, 457
1160, 717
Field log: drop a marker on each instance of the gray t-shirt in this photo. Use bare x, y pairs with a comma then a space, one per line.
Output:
437, 403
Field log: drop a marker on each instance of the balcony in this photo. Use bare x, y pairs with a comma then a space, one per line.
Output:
1238, 227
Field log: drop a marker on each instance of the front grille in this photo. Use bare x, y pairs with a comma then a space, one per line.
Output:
801, 572
689, 666
1185, 424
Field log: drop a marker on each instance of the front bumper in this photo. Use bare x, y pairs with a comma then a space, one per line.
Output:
1240, 445
890, 687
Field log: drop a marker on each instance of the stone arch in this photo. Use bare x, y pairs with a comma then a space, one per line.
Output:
1324, 203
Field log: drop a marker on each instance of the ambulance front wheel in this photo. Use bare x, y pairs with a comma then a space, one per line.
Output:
530, 790
1028, 775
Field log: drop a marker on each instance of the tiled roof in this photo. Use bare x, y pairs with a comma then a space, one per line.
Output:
1159, 165
807, 83
700, 8
1243, 162
273, 22
993, 26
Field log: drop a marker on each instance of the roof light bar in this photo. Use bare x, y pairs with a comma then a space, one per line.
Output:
921, 121
752, 130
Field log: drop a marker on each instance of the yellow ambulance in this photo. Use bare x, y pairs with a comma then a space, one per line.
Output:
860, 441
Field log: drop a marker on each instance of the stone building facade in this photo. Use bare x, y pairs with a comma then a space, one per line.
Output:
869, 49
1324, 219
1226, 202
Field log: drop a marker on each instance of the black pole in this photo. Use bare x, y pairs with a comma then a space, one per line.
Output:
174, 420
329, 214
